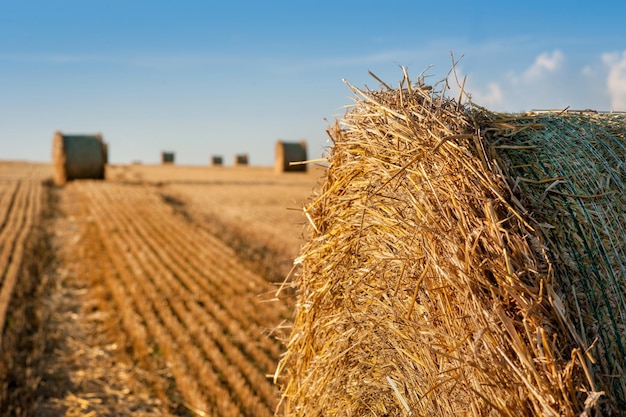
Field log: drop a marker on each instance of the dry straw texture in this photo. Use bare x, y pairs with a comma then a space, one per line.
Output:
462, 262
288, 155
78, 157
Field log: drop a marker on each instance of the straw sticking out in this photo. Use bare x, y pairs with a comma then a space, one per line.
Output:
438, 279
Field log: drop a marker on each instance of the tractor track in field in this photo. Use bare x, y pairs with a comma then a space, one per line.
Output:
181, 326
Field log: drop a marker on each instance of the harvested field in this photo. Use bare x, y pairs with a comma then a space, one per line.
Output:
253, 209
22, 200
143, 309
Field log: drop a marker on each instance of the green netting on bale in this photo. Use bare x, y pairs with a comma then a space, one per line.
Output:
78, 157
569, 172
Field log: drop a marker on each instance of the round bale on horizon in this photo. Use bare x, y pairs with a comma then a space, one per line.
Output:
289, 156
78, 157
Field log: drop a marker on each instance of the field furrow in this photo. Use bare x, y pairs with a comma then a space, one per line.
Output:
146, 277
220, 334
8, 190
134, 325
195, 253
242, 314
16, 215
144, 301
23, 253
160, 331
205, 328
241, 310
21, 218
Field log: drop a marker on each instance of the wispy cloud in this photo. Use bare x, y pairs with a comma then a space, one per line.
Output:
588, 71
56, 58
154, 61
616, 79
182, 61
556, 79
544, 63
492, 97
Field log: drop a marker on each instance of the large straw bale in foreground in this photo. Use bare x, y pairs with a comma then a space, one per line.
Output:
78, 157
462, 262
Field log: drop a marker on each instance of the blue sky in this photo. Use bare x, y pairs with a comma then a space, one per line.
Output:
206, 78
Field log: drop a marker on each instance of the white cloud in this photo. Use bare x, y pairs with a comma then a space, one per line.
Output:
616, 79
544, 63
588, 71
492, 97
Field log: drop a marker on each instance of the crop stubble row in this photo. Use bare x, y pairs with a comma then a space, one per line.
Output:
261, 219
21, 195
182, 295
235, 289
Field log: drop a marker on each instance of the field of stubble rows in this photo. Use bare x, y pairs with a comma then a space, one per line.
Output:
150, 293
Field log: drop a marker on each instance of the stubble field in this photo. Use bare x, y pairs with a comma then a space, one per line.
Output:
150, 293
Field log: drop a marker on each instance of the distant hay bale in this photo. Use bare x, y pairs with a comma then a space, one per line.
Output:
462, 262
167, 157
241, 159
288, 152
78, 157
217, 161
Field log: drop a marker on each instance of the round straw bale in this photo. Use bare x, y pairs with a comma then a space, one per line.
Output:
167, 157
77, 157
288, 152
462, 262
568, 171
217, 160
241, 159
